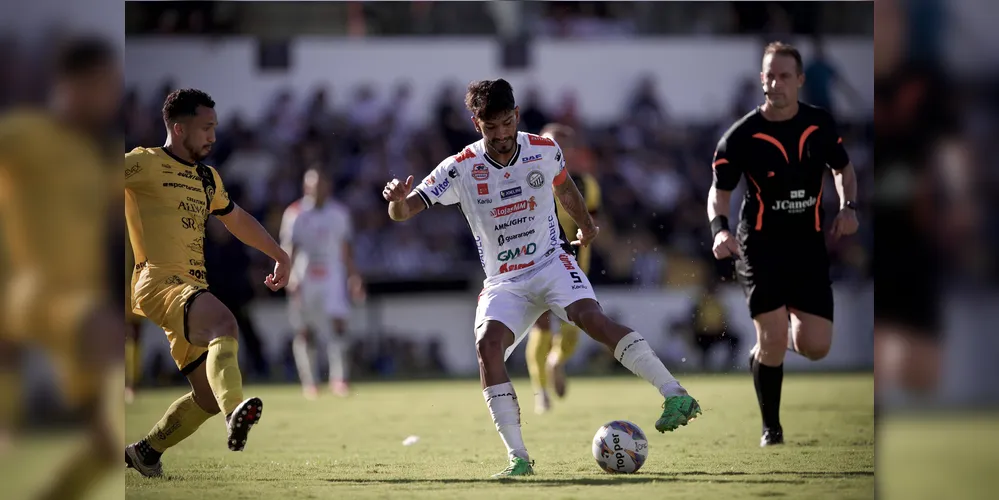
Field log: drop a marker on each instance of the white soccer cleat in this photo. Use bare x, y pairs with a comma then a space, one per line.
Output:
134, 460
241, 420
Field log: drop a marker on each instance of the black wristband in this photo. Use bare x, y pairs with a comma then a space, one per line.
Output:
719, 224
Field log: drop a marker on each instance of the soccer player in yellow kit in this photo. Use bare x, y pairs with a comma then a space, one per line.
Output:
57, 190
169, 194
547, 354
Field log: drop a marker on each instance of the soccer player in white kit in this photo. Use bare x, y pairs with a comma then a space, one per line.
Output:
316, 232
506, 185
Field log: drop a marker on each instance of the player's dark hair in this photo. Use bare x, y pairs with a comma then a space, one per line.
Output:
487, 99
784, 49
80, 55
184, 103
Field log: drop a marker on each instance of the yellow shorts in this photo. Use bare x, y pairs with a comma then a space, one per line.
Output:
165, 299
37, 312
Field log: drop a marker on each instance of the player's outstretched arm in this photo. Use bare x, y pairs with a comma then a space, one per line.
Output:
575, 205
247, 229
404, 203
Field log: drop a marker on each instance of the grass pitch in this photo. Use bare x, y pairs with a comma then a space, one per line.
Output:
352, 448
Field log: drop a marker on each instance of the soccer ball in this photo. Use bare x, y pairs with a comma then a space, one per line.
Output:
620, 447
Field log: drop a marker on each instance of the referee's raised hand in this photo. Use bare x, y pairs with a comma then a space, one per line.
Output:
726, 246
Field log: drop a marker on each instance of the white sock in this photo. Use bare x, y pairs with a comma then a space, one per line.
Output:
336, 351
790, 342
635, 354
502, 402
303, 360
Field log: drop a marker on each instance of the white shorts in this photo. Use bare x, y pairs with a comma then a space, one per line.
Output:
519, 302
316, 304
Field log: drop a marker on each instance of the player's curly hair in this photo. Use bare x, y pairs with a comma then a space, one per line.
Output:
487, 99
184, 102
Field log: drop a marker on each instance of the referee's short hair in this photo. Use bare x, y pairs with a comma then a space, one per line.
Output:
784, 49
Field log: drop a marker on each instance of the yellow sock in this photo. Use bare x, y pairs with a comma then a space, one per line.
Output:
564, 346
223, 373
538, 345
131, 362
180, 421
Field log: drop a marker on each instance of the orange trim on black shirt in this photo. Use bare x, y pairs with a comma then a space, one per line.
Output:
804, 135
775, 142
759, 199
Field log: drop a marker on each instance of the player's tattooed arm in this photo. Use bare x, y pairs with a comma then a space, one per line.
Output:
574, 204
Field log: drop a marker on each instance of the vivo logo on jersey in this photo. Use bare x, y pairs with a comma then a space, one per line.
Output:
794, 206
531, 159
514, 253
507, 239
439, 190
553, 230
505, 268
513, 208
510, 193
513, 222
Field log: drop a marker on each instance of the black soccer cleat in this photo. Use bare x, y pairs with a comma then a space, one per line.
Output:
242, 419
772, 437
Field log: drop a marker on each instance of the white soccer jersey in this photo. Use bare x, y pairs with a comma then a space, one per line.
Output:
317, 235
510, 208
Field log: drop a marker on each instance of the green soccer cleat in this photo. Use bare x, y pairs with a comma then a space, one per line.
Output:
677, 411
518, 467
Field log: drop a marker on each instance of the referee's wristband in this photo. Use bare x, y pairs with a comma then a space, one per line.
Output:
719, 224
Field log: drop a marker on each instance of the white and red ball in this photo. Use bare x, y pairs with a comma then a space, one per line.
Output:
620, 447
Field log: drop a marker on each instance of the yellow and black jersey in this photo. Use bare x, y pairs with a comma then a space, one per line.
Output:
167, 202
590, 189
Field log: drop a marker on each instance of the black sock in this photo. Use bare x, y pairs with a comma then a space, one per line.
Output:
149, 455
768, 381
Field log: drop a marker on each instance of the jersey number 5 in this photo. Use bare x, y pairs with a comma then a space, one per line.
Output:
575, 277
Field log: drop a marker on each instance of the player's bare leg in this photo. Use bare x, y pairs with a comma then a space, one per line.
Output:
539, 345
490, 348
337, 352
303, 348
767, 365
810, 335
180, 421
212, 325
132, 369
632, 351
907, 362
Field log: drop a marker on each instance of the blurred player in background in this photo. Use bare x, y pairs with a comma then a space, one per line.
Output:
56, 193
133, 327
316, 232
169, 195
784, 149
547, 354
506, 185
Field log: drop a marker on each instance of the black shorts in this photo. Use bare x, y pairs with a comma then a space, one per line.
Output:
785, 270
908, 297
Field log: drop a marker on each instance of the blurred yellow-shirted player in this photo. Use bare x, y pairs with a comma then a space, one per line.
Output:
169, 194
133, 325
57, 187
547, 354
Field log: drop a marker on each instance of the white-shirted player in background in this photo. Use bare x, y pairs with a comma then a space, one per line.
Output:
316, 232
506, 185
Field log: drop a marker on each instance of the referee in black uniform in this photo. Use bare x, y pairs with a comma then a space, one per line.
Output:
783, 149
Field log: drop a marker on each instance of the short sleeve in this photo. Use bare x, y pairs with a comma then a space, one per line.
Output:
834, 151
727, 170
559, 172
135, 170
440, 185
221, 204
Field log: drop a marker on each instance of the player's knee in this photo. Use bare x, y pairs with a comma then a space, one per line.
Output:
814, 348
206, 401
226, 327
489, 344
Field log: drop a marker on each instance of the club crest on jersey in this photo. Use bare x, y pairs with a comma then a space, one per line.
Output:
480, 172
536, 179
531, 159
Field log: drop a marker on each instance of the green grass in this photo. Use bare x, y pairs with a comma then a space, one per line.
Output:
352, 448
